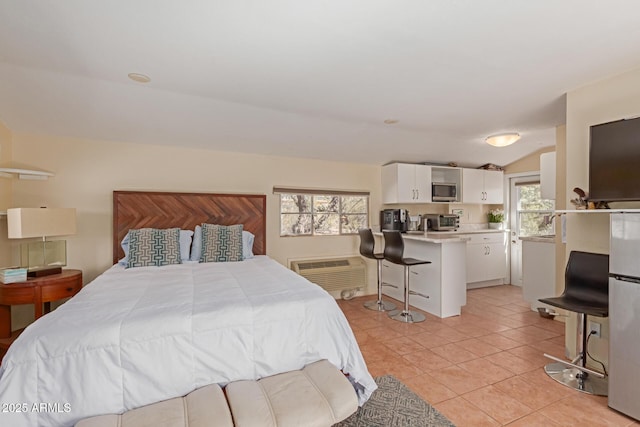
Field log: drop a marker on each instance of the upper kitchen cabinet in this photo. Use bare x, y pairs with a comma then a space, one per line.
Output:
406, 183
482, 186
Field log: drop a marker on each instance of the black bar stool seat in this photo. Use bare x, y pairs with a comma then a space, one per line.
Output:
586, 292
367, 246
394, 252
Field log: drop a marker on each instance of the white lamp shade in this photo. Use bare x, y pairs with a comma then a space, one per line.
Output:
23, 223
503, 139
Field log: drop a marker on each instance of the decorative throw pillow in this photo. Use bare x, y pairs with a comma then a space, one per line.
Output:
185, 247
221, 243
196, 249
153, 247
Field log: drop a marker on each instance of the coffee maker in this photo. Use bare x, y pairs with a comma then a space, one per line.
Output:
394, 219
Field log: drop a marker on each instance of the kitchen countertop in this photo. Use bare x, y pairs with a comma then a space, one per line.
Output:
539, 239
474, 231
440, 238
444, 236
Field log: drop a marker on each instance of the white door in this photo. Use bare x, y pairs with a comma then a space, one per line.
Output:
529, 215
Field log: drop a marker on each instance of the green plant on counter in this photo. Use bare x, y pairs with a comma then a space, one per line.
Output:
496, 215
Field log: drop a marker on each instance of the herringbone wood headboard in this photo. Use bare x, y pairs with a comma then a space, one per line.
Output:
139, 209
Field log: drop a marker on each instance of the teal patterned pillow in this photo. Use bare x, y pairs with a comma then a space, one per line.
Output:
221, 243
153, 247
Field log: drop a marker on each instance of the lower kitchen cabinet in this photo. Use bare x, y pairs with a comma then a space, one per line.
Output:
486, 259
442, 280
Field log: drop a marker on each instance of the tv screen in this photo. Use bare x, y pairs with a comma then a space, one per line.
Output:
614, 161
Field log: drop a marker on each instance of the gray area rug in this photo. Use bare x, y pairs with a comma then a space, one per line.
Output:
393, 404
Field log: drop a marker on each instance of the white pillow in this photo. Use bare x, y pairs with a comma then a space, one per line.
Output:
185, 246
247, 244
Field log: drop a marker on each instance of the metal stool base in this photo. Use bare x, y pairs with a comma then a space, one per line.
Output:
407, 316
578, 380
380, 305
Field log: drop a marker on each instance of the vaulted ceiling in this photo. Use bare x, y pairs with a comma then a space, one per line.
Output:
310, 78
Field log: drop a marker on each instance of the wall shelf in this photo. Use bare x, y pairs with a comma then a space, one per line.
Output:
596, 211
23, 173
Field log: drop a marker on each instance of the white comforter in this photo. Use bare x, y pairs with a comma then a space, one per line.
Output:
140, 335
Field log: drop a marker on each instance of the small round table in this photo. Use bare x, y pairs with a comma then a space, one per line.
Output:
39, 291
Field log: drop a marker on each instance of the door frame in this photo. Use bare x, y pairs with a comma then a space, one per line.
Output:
508, 211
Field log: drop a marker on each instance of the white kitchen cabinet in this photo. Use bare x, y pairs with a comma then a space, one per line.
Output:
482, 186
548, 176
406, 183
538, 270
486, 258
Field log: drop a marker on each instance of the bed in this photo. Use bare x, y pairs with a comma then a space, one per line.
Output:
135, 336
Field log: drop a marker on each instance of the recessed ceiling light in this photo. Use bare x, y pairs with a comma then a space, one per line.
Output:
390, 121
140, 78
502, 139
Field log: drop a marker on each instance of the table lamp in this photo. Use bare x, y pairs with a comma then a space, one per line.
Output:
46, 256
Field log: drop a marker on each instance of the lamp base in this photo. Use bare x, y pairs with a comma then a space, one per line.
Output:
43, 271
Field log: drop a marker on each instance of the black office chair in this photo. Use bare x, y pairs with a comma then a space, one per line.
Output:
367, 245
586, 292
394, 252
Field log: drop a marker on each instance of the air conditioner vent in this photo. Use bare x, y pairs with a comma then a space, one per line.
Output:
335, 274
323, 264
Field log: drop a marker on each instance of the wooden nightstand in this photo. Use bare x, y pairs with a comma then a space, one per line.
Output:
39, 291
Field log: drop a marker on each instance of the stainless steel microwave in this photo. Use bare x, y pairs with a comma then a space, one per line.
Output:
444, 192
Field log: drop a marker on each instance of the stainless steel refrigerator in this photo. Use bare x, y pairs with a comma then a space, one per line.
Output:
624, 314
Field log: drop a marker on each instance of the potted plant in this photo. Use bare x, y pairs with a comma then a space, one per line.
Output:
496, 218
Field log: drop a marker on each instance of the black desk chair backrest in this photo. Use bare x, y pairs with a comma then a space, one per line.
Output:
367, 244
587, 278
393, 247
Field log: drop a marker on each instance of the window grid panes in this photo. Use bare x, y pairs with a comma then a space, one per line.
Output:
534, 212
322, 215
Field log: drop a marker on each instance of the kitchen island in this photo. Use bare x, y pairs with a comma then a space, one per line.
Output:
444, 280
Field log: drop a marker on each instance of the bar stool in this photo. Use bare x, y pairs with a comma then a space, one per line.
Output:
394, 252
367, 244
586, 292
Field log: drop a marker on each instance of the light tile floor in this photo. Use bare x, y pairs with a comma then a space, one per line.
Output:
483, 368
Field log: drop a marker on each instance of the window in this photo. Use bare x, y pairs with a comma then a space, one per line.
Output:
534, 213
322, 214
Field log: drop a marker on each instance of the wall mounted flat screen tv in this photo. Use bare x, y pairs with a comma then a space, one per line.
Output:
614, 161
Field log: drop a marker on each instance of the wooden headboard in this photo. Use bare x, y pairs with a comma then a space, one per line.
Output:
140, 209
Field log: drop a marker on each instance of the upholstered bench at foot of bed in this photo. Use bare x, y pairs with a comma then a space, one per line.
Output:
204, 407
318, 395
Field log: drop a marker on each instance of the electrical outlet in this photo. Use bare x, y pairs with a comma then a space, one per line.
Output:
459, 212
595, 328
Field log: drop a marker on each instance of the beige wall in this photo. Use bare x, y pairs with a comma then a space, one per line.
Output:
529, 163
88, 171
561, 204
5, 195
604, 101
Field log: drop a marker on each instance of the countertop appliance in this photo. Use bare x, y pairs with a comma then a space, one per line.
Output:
624, 314
442, 222
444, 192
415, 222
394, 219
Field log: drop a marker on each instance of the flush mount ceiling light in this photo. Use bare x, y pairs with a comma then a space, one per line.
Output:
140, 78
502, 139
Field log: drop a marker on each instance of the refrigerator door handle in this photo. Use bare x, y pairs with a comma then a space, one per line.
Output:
625, 278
